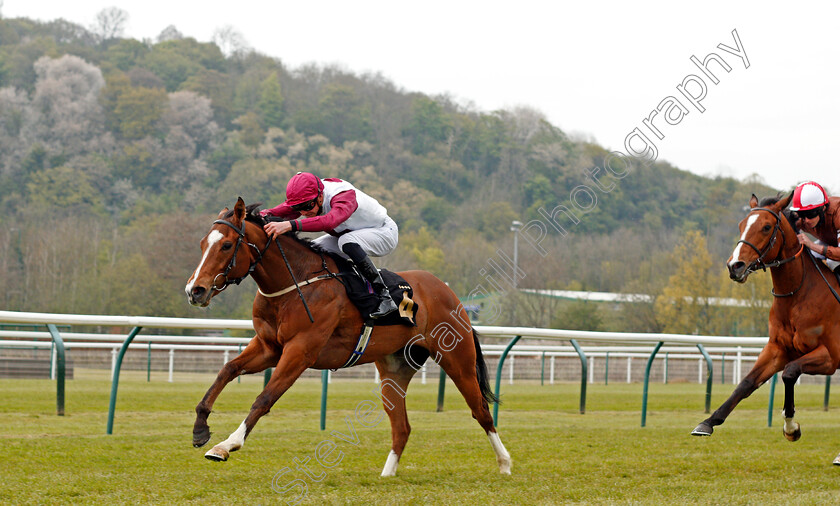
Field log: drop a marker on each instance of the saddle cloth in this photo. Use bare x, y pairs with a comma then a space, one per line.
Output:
361, 293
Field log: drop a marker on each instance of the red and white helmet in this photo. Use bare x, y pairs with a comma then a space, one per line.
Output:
808, 196
303, 187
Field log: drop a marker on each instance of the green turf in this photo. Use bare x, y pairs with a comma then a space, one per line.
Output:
559, 456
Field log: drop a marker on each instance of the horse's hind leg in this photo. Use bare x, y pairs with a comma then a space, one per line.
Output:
254, 358
818, 361
396, 372
464, 364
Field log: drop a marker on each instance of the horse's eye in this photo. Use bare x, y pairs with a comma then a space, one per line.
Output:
767, 228
226, 246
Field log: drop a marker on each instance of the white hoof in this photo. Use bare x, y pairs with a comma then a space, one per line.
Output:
836, 460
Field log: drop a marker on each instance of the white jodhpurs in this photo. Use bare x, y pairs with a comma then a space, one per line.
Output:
376, 242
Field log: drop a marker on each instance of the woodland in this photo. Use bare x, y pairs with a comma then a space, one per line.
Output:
116, 154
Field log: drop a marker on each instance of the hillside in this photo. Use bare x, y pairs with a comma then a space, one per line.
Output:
115, 154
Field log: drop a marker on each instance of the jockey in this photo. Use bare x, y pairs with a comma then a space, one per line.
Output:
356, 225
819, 215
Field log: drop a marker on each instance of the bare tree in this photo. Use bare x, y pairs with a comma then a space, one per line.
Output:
110, 23
230, 41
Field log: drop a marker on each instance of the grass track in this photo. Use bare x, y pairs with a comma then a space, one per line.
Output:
560, 456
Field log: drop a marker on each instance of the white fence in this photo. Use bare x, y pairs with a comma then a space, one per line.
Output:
600, 347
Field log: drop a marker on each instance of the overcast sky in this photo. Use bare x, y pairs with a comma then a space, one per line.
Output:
595, 69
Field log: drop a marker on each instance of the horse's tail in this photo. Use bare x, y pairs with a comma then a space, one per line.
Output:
481, 373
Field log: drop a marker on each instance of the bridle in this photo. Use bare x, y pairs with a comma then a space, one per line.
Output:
260, 253
760, 263
239, 240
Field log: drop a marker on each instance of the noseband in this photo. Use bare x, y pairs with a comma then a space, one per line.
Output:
760, 263
239, 240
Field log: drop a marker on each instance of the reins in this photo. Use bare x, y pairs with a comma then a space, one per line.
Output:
833, 292
294, 280
260, 253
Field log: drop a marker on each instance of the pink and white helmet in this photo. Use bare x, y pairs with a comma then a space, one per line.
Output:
808, 196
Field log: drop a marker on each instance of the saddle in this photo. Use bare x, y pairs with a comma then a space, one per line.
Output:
366, 301
361, 294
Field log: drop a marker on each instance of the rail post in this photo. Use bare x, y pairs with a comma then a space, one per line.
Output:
441, 389
325, 376
710, 371
499, 378
59, 369
584, 367
115, 381
827, 390
772, 398
607, 369
542, 370
647, 380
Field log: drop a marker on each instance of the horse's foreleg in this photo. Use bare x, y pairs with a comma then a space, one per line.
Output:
767, 364
254, 358
818, 361
291, 365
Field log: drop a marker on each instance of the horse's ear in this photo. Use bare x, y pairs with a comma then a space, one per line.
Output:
753, 201
223, 213
785, 201
239, 210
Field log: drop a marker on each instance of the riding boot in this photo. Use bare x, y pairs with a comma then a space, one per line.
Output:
371, 273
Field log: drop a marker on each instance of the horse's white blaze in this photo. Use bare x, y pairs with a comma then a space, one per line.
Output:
502, 455
390, 468
235, 440
736, 255
212, 238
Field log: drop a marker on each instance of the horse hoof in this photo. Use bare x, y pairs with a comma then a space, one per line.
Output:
217, 454
837, 460
201, 438
793, 436
703, 429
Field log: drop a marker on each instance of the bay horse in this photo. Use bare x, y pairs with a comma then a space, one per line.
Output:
291, 342
804, 325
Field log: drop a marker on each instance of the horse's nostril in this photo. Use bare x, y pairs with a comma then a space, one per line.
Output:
198, 291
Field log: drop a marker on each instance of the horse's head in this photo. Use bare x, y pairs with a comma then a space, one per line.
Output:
762, 237
227, 257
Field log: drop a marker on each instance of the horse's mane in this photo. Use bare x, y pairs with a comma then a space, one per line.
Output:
769, 201
252, 214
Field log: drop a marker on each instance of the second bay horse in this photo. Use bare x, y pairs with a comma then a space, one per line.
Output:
804, 326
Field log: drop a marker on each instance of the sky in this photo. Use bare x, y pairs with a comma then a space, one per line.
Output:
595, 69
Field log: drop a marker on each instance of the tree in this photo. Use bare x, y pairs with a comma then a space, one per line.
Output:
110, 23
230, 41
67, 100
578, 315
270, 105
684, 306
138, 110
